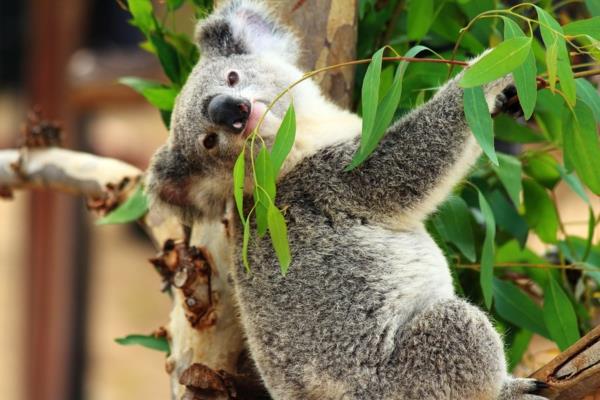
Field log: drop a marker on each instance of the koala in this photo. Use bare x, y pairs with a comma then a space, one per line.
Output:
367, 309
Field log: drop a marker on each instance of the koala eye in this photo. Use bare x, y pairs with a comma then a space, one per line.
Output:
210, 141
232, 78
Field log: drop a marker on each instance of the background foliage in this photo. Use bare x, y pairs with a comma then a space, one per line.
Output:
483, 228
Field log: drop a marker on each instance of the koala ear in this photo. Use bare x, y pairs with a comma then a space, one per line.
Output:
245, 27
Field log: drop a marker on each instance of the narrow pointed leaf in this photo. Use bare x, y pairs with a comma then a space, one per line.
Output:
587, 93
245, 241
157, 94
559, 315
486, 274
418, 18
480, 120
552, 35
453, 224
239, 177
574, 183
278, 233
503, 59
516, 307
525, 74
581, 145
284, 141
590, 27
143, 16
132, 209
148, 341
540, 212
264, 192
370, 95
509, 172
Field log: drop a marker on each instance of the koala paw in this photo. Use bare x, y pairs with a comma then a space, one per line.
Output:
507, 102
524, 389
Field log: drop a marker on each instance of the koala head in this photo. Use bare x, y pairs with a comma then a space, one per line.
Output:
247, 59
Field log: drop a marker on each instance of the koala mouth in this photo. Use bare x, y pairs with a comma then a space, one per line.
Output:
257, 109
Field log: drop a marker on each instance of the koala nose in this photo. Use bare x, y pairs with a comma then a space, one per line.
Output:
229, 111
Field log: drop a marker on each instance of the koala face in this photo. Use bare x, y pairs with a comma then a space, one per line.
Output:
247, 60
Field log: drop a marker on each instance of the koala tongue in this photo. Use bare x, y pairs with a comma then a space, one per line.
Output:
258, 109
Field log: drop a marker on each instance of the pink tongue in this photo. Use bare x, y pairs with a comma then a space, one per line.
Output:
258, 109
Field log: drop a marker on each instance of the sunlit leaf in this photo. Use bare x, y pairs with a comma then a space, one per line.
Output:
264, 192
157, 94
558, 55
500, 61
370, 96
559, 315
486, 275
284, 139
132, 209
594, 7
590, 26
480, 120
148, 341
525, 74
239, 177
516, 307
143, 16
245, 241
278, 234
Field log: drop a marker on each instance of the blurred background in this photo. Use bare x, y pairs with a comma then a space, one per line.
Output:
68, 288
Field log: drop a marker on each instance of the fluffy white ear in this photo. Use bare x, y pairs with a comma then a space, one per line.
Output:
245, 27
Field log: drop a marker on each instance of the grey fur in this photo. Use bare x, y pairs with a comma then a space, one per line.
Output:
367, 310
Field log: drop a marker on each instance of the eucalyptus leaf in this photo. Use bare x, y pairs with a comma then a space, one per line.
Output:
239, 177
581, 145
486, 275
587, 93
143, 15
480, 121
500, 61
284, 141
516, 307
132, 209
157, 94
525, 74
558, 55
574, 183
509, 172
278, 234
559, 315
540, 211
148, 341
590, 27
452, 222
265, 189
419, 13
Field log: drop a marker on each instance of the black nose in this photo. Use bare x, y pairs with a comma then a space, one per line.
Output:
229, 111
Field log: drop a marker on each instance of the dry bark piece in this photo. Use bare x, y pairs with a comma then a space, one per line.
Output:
39, 132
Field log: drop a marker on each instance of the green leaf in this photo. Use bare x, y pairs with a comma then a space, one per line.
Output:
593, 6
587, 93
384, 113
168, 57
143, 16
265, 189
173, 5
559, 315
558, 61
132, 209
419, 18
506, 215
543, 168
509, 172
452, 222
574, 183
581, 145
590, 27
518, 347
245, 241
284, 141
157, 94
516, 307
239, 178
278, 233
480, 120
540, 212
503, 59
370, 95
148, 341
525, 74
486, 275
509, 130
